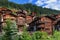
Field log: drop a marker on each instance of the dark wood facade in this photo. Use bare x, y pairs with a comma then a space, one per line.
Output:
48, 24
44, 23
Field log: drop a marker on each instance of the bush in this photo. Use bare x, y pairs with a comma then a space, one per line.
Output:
39, 35
9, 30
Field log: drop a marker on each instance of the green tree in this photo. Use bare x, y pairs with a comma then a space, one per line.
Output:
9, 30
39, 36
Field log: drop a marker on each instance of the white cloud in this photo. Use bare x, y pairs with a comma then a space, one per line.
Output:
53, 4
39, 3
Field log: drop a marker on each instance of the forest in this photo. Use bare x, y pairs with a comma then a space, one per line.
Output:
28, 7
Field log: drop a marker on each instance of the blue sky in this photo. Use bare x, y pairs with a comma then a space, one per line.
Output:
23, 1
53, 4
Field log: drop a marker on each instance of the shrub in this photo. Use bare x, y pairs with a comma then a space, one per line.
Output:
39, 35
9, 30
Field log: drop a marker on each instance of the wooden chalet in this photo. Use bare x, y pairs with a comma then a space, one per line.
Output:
57, 22
33, 25
43, 23
20, 20
48, 23
4, 15
29, 19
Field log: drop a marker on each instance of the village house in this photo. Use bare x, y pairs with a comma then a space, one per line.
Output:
1, 17
29, 19
20, 20
4, 15
41, 27
32, 22
33, 25
48, 23
57, 22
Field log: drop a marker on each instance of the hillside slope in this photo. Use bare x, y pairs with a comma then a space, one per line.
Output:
28, 6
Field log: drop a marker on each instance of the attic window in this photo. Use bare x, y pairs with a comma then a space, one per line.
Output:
0, 12
3, 11
47, 29
4, 19
12, 19
42, 27
8, 12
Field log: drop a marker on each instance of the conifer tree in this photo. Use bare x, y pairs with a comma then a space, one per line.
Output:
10, 30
